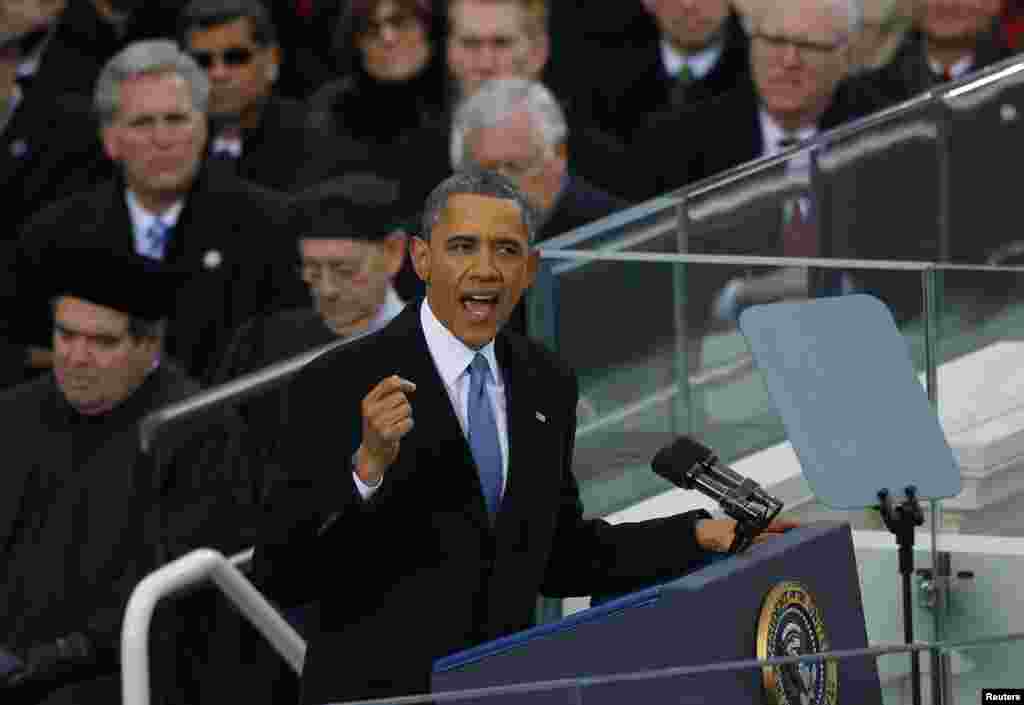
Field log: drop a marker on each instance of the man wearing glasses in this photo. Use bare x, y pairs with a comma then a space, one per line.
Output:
800, 86
263, 137
799, 61
351, 246
516, 127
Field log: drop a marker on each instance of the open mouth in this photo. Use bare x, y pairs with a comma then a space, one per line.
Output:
480, 307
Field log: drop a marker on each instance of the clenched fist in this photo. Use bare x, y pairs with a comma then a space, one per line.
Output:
387, 417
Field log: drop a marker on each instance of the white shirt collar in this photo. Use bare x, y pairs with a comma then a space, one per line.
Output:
142, 218
391, 307
700, 62
229, 145
773, 133
451, 355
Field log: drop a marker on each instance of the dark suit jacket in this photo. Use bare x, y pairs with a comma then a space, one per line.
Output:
285, 153
48, 150
71, 61
637, 83
142, 511
909, 73
578, 204
234, 240
682, 147
426, 574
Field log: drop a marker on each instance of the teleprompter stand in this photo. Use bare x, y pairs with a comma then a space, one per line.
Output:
840, 375
902, 519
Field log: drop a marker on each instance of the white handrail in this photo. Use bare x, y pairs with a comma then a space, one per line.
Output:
188, 570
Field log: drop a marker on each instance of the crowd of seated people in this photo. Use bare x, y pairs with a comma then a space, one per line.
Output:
268, 158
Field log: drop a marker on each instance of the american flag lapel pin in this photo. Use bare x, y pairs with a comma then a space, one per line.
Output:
541, 417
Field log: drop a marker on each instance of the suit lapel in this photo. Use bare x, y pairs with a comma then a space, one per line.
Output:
525, 418
437, 431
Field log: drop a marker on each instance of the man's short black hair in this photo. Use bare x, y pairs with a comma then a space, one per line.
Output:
203, 14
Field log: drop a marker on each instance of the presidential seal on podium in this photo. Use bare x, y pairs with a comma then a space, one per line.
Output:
790, 624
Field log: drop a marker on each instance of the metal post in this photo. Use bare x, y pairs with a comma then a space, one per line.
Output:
687, 346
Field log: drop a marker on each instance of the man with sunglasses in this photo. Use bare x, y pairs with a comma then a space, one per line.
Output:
263, 137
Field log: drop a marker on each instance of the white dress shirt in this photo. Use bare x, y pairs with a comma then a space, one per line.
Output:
452, 358
142, 220
392, 306
773, 134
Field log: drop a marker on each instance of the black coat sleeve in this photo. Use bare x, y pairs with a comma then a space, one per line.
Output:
592, 556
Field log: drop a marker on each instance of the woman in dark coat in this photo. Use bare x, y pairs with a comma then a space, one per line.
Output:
392, 91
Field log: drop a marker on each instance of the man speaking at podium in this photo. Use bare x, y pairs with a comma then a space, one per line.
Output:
430, 493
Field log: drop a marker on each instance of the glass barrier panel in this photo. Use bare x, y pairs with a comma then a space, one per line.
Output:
981, 396
975, 669
880, 188
986, 131
648, 374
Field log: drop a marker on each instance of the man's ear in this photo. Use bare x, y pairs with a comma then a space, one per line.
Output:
540, 52
532, 265
273, 63
111, 139
420, 249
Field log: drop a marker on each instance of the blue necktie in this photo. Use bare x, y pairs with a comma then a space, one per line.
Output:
483, 434
157, 236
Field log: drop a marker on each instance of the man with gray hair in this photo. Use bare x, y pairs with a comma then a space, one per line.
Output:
517, 128
800, 63
167, 204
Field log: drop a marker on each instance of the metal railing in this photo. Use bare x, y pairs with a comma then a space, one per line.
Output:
181, 574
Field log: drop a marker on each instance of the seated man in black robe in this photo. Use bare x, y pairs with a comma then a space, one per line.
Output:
351, 245
84, 514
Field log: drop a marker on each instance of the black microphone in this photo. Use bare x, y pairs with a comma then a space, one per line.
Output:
693, 466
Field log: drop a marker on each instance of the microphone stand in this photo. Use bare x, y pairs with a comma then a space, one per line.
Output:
901, 519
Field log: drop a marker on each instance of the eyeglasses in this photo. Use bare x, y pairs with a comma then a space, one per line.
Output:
234, 56
807, 48
523, 169
399, 22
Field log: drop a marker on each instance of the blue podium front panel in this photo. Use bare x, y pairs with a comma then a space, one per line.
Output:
707, 617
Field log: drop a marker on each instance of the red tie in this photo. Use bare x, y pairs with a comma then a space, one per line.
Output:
799, 234
304, 8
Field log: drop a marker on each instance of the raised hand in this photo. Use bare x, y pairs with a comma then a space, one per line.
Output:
387, 418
